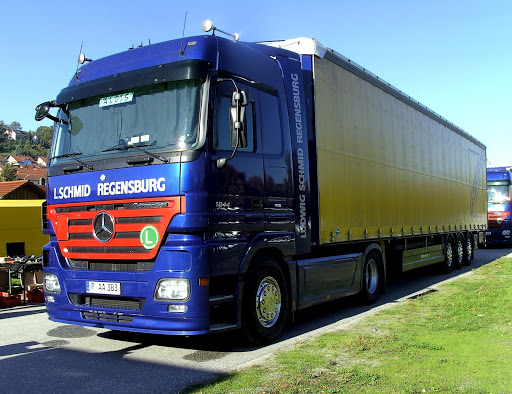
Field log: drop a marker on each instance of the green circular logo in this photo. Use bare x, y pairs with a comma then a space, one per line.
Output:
149, 237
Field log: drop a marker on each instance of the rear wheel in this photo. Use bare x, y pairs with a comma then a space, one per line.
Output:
459, 252
468, 249
265, 303
372, 277
449, 255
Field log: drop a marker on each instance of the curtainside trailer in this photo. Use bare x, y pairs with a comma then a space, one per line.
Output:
204, 184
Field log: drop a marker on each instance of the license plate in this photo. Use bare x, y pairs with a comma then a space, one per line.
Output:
103, 287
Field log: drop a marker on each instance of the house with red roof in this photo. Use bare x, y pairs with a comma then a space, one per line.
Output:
21, 190
41, 160
35, 175
17, 160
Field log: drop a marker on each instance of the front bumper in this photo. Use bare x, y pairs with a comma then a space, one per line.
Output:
135, 308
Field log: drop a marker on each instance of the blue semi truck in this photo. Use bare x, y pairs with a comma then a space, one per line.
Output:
499, 182
204, 184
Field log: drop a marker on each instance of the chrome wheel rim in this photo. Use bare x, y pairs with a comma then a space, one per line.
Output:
372, 276
268, 302
449, 255
460, 251
469, 247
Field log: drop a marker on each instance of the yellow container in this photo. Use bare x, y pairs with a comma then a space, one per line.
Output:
21, 222
385, 167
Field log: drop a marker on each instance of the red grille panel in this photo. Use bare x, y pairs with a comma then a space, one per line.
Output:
495, 219
73, 224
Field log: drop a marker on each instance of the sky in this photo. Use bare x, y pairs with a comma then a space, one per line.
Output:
453, 56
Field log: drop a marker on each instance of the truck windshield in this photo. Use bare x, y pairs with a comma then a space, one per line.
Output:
498, 194
160, 117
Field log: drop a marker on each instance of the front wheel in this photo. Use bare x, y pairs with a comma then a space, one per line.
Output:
265, 303
372, 277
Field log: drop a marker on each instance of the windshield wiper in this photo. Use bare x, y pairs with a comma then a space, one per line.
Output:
72, 155
138, 147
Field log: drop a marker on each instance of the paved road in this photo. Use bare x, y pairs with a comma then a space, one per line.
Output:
37, 355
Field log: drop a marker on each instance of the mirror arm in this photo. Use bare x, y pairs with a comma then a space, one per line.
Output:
58, 120
51, 104
221, 161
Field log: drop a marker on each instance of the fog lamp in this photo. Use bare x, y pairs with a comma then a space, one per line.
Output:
182, 308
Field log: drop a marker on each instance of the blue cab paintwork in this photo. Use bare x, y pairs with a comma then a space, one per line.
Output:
169, 173
222, 229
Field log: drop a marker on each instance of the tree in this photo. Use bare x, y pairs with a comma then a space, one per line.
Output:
27, 148
6, 146
15, 126
44, 136
19, 147
9, 173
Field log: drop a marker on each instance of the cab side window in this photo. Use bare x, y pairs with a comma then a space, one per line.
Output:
270, 123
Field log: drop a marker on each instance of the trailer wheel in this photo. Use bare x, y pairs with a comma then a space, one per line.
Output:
373, 277
449, 256
459, 252
468, 249
265, 303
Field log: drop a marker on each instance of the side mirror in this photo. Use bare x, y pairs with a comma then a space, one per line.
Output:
237, 128
239, 98
42, 111
238, 133
239, 101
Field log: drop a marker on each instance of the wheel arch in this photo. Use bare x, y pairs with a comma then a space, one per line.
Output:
449, 237
379, 249
262, 247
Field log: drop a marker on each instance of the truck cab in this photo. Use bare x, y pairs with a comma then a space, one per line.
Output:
170, 177
499, 189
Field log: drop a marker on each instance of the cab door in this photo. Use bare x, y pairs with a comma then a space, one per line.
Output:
235, 191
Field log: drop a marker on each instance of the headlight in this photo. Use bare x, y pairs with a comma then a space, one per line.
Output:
505, 232
172, 289
51, 283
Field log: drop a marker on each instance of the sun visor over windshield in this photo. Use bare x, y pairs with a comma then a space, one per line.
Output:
188, 69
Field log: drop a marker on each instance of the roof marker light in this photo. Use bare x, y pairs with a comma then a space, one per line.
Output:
82, 59
207, 25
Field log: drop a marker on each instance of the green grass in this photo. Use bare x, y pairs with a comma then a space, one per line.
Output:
458, 339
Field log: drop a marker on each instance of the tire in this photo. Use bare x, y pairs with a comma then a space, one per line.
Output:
468, 249
459, 252
449, 256
373, 277
265, 303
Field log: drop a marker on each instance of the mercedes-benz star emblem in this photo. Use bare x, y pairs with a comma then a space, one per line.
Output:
103, 227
